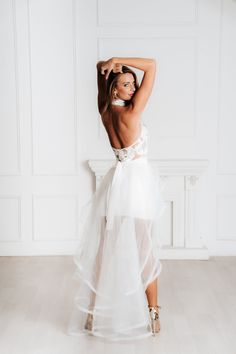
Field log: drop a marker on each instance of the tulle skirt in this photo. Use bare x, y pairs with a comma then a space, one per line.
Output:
118, 253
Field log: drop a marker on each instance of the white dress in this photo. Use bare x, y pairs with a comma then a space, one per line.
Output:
118, 251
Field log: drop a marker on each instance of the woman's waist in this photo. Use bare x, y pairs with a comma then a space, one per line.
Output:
134, 159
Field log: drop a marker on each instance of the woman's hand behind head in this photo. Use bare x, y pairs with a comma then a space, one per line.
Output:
109, 66
117, 68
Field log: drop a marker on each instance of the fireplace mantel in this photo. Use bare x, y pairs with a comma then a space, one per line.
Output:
180, 181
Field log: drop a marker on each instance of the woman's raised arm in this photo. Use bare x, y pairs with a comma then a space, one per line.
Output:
102, 87
145, 64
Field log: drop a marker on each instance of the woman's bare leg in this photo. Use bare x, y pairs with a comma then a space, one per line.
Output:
152, 297
152, 293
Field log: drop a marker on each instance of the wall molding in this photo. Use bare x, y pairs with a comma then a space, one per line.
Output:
194, 22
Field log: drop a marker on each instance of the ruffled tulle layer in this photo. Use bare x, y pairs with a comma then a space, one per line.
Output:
118, 253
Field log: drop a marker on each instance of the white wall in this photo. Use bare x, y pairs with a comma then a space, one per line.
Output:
50, 126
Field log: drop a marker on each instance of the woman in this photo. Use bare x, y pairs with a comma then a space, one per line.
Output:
117, 257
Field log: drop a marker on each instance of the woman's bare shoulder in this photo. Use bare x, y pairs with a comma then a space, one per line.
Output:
130, 117
123, 115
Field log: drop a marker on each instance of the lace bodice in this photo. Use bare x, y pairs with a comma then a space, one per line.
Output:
139, 147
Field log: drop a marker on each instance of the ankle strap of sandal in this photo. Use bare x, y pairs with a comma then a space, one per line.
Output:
154, 307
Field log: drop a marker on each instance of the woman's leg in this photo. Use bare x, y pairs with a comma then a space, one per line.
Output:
152, 297
152, 293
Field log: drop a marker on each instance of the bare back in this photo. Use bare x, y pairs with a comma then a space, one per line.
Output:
122, 126
123, 123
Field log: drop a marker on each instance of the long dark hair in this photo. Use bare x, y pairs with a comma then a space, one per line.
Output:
112, 84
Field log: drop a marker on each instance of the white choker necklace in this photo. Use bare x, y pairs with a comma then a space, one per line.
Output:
118, 102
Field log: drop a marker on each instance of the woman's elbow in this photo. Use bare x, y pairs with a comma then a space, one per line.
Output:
153, 61
99, 64
152, 64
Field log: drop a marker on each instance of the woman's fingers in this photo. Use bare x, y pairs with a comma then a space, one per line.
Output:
110, 66
103, 68
117, 68
108, 72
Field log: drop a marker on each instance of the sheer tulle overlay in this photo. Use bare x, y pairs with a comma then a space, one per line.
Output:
118, 253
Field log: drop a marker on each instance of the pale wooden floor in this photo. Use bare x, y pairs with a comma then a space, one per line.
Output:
198, 314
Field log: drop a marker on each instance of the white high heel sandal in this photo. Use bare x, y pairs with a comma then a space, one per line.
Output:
89, 322
155, 320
